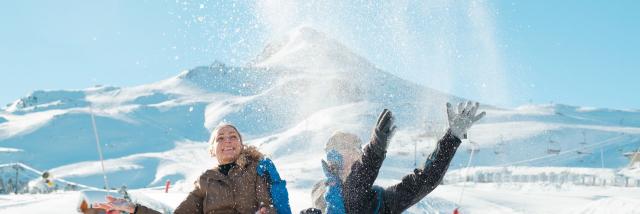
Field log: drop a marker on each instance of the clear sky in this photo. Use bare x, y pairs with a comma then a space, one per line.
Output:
506, 53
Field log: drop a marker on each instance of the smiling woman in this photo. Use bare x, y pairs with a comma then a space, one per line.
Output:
233, 186
226, 144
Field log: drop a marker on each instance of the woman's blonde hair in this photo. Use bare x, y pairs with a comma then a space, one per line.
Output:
343, 141
214, 135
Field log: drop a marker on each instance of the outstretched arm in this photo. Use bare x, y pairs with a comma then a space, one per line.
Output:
358, 185
421, 182
416, 186
116, 205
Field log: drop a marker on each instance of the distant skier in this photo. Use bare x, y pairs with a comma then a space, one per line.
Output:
358, 170
44, 185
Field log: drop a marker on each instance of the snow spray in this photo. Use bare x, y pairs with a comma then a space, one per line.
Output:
456, 211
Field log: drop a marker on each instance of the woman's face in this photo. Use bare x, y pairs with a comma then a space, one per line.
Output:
228, 145
350, 156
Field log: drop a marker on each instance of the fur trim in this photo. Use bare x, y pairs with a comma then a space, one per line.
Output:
248, 155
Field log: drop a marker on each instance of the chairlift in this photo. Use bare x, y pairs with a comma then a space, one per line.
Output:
631, 154
473, 148
553, 151
498, 149
428, 133
403, 153
553, 147
583, 150
634, 158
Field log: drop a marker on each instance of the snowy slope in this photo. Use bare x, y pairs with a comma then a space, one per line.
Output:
479, 198
287, 101
265, 101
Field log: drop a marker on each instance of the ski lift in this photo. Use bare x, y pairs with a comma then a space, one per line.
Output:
553, 147
634, 157
498, 149
474, 148
631, 154
426, 135
583, 150
429, 131
403, 153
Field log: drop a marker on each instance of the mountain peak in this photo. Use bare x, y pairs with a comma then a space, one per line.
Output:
306, 48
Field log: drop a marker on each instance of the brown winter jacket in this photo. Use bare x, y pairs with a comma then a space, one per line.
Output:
242, 191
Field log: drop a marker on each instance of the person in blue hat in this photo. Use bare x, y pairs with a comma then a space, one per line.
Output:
351, 171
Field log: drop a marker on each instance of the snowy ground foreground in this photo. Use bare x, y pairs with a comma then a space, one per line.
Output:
477, 198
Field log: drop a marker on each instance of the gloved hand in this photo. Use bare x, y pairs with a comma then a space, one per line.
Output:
333, 195
333, 168
384, 130
461, 120
311, 211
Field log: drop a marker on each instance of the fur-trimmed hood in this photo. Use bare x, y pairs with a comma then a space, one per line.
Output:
241, 190
249, 154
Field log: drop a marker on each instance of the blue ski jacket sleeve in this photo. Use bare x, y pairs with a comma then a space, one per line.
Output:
278, 190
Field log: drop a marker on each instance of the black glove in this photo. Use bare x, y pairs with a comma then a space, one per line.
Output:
311, 211
383, 131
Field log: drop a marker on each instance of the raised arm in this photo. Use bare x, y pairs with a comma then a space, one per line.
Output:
358, 185
421, 182
192, 204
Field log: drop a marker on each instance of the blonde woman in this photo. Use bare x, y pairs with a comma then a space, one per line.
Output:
233, 186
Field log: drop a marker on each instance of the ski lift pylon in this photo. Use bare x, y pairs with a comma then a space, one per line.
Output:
498, 149
473, 147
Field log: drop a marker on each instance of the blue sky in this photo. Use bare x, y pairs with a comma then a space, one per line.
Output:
506, 53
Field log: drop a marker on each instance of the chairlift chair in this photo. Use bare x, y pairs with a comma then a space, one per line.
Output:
553, 147
583, 150
473, 148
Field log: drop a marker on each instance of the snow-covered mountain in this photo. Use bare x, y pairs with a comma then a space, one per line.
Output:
288, 101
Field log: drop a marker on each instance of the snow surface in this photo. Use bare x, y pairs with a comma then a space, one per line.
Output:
288, 102
478, 198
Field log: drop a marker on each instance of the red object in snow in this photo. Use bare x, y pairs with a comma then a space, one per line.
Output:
166, 186
455, 211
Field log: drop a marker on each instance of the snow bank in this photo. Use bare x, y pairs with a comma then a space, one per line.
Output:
611, 205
